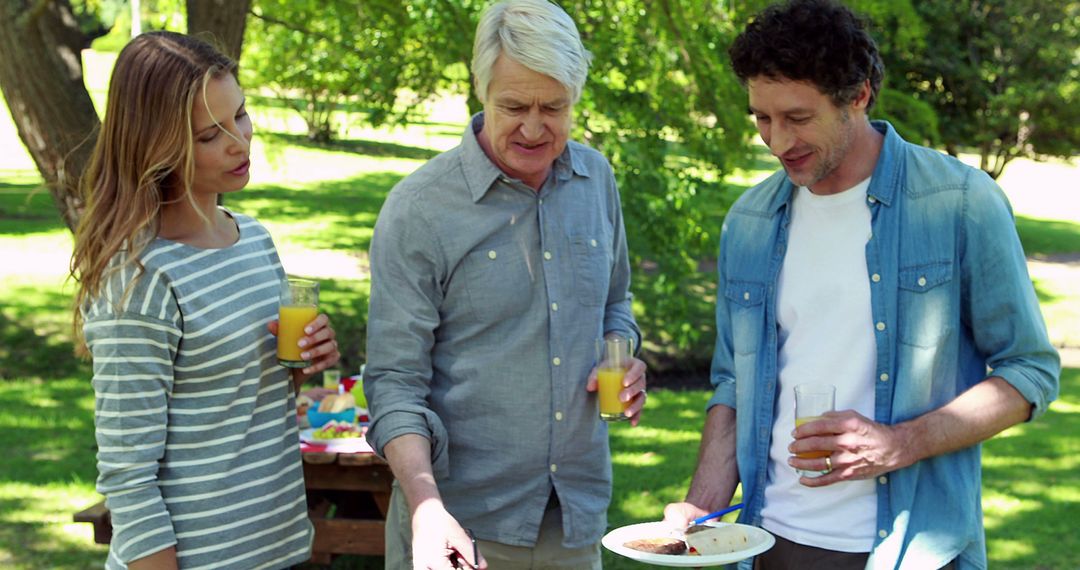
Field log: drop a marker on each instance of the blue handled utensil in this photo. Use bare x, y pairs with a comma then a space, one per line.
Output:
717, 514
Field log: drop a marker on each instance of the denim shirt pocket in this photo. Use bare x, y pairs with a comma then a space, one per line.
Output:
494, 279
746, 304
592, 268
925, 303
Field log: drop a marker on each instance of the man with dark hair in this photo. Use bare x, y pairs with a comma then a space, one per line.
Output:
887, 270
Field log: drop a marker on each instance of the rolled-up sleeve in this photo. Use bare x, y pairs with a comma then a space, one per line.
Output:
618, 312
1000, 304
402, 317
133, 356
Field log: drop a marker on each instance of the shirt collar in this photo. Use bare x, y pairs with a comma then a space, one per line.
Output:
481, 173
889, 168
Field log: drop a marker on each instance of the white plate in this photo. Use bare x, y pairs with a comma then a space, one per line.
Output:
759, 541
339, 444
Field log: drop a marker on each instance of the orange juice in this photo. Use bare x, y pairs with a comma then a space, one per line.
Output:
609, 382
810, 454
291, 323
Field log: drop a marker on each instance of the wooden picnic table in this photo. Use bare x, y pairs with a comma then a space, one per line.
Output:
347, 493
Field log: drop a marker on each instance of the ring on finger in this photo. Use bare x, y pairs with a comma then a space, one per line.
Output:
828, 464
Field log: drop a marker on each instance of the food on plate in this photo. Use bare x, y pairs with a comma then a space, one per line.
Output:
337, 430
336, 403
658, 545
705, 539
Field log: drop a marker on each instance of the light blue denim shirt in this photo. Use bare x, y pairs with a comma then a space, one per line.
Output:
486, 299
950, 298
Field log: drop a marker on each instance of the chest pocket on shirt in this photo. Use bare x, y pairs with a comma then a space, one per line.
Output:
592, 268
746, 303
925, 306
498, 281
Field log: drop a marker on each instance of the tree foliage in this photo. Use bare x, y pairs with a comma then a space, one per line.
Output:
319, 55
1001, 75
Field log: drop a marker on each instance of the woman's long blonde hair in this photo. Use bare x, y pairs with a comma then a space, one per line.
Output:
144, 151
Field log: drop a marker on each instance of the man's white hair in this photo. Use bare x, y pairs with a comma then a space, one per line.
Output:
535, 33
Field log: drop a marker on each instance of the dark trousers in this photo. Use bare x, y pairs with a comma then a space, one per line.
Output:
787, 555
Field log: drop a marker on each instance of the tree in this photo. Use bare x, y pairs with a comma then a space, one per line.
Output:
41, 77
223, 20
1001, 75
42, 81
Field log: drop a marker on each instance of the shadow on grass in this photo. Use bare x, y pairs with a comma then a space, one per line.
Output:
344, 210
35, 339
354, 146
27, 208
1046, 237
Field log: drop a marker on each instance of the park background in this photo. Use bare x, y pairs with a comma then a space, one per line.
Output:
347, 98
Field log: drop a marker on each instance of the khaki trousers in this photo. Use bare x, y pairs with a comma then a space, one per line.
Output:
547, 554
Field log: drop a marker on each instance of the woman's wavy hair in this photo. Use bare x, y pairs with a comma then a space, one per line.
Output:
819, 41
143, 155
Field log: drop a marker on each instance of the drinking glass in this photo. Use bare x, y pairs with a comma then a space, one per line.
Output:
811, 401
613, 359
298, 305
331, 377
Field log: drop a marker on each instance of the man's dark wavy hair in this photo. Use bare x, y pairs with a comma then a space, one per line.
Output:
819, 41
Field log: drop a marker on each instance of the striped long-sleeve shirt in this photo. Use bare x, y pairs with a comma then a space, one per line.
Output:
195, 421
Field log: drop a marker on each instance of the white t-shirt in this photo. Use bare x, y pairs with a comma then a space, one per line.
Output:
825, 336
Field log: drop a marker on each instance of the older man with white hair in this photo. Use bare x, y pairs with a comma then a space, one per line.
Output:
495, 268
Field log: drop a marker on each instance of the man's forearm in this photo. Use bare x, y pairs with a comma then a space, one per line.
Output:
978, 414
717, 472
409, 457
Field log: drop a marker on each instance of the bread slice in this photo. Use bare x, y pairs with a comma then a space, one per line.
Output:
724, 539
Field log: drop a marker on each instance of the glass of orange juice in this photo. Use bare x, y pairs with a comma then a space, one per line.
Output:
613, 357
297, 306
811, 401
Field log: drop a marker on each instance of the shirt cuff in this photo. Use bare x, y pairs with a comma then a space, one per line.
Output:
424, 423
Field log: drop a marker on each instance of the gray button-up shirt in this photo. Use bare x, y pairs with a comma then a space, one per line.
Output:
486, 299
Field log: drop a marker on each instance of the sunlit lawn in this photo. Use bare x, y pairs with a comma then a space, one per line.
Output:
324, 200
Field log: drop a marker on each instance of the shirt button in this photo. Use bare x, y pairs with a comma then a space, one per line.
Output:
922, 282
592, 243
880, 326
875, 278
554, 306
547, 255
871, 199
880, 533
492, 254
556, 361
555, 468
883, 479
884, 377
746, 295
558, 418
541, 201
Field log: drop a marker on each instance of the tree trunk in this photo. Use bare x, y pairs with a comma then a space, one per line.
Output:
41, 77
221, 22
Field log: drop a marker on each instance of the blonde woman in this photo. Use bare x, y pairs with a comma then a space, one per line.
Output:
198, 454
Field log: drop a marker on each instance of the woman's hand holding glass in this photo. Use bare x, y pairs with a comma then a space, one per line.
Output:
318, 345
